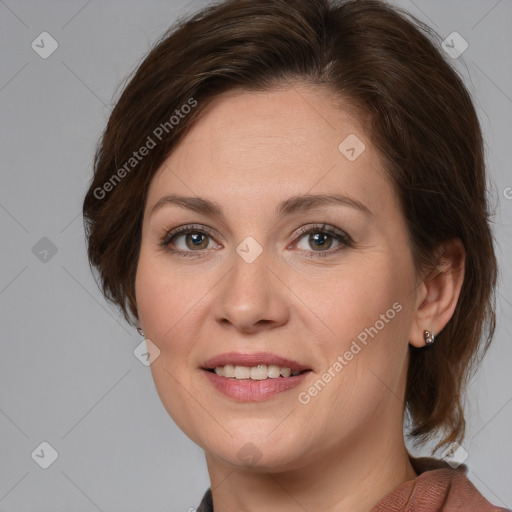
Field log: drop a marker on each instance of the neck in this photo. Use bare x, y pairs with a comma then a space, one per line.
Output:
353, 476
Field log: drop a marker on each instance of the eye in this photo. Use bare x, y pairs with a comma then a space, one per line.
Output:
321, 237
188, 239
191, 239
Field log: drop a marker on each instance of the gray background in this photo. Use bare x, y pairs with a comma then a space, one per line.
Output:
68, 373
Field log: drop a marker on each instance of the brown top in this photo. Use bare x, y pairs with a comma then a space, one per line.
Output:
438, 488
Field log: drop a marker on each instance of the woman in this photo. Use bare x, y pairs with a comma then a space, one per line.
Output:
289, 199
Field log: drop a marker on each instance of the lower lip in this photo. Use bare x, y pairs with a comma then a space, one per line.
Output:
248, 390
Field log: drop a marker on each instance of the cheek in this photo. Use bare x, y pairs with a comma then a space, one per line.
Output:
168, 304
367, 293
168, 295
368, 316
167, 301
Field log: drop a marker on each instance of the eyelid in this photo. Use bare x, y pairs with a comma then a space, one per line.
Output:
168, 235
325, 228
341, 236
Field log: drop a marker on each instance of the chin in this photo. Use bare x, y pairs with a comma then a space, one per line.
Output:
258, 453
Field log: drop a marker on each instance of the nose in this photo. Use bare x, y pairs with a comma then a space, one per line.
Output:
252, 298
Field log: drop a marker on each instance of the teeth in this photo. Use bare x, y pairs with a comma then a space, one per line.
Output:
229, 370
259, 372
273, 371
242, 372
286, 372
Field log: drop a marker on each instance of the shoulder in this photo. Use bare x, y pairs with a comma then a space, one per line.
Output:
437, 487
206, 504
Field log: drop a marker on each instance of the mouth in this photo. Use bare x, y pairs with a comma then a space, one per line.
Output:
259, 372
253, 377
255, 366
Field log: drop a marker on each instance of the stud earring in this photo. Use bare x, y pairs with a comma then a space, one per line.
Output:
139, 330
429, 337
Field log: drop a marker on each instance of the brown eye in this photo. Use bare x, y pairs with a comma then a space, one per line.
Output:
196, 240
188, 239
320, 240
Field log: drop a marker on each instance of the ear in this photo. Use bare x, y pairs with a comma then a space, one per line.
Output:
439, 292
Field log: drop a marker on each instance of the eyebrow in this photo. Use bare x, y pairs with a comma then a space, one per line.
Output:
295, 204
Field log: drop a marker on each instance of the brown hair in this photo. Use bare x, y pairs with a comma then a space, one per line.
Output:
421, 119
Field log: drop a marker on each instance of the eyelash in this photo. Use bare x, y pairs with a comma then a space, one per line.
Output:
340, 236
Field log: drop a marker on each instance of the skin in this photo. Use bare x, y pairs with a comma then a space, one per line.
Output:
344, 450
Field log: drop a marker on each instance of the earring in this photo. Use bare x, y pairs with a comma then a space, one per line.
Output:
429, 337
139, 330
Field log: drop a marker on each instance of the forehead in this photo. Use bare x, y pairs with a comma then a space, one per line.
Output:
256, 146
295, 122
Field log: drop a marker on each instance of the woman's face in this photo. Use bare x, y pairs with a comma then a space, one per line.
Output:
275, 277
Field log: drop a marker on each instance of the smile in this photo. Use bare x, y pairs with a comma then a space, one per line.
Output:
253, 377
259, 372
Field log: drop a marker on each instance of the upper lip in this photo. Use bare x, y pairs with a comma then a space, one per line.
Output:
254, 359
